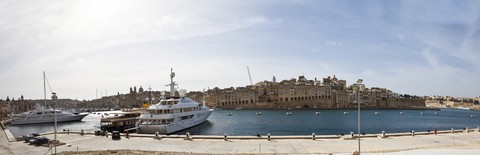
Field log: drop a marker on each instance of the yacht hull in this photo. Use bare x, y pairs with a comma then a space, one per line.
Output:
174, 126
47, 119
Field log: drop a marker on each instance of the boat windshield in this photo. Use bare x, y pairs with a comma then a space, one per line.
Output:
168, 102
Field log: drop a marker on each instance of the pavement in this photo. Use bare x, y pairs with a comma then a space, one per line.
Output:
445, 143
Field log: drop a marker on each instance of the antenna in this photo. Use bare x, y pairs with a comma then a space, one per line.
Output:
172, 83
249, 75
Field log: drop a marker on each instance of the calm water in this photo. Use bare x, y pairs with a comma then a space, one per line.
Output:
301, 122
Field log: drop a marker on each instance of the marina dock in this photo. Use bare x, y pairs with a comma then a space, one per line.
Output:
459, 141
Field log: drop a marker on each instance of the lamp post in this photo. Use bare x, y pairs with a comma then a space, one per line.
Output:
358, 87
54, 99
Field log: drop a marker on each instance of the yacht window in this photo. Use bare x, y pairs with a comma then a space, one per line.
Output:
163, 102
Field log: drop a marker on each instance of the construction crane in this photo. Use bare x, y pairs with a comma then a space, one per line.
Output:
250, 76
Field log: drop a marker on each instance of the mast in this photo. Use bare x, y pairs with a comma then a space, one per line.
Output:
172, 84
249, 75
44, 91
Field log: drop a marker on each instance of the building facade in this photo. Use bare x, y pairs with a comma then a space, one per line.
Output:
330, 93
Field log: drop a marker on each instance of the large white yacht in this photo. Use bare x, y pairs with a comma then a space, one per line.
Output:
172, 113
46, 116
41, 115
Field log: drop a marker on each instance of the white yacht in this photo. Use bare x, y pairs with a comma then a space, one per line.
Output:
46, 116
41, 115
172, 113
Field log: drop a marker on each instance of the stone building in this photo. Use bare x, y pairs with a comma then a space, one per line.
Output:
330, 93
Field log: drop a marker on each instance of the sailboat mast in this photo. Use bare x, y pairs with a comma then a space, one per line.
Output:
44, 91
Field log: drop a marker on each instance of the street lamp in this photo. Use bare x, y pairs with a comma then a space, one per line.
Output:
358, 87
54, 99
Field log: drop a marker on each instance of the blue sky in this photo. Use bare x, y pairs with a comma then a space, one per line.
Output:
410, 47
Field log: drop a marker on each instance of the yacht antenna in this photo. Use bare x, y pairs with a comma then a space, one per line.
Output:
249, 75
172, 83
203, 95
150, 94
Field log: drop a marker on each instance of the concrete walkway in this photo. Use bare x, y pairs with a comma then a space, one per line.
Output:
466, 143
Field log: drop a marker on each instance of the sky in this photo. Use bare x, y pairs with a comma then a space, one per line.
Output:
92, 48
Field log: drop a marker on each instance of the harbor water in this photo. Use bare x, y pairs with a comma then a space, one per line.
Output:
300, 122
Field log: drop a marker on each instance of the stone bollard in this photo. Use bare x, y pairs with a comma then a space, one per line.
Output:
268, 136
82, 132
68, 131
452, 130
187, 136
413, 133
478, 129
467, 130
351, 134
225, 137
313, 136
383, 133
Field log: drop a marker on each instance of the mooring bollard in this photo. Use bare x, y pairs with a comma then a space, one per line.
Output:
156, 134
452, 130
268, 136
126, 132
82, 132
478, 129
225, 136
187, 135
68, 131
413, 133
383, 133
351, 134
467, 130
313, 136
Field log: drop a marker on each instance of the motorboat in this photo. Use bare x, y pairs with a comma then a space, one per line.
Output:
46, 116
172, 114
120, 121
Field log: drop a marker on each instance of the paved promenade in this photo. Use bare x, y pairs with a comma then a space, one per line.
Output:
446, 143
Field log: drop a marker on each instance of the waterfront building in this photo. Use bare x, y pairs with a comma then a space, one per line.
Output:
330, 93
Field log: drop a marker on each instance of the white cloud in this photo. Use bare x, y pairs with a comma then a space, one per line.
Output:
431, 58
333, 43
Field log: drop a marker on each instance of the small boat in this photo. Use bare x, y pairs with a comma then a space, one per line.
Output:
238, 108
421, 113
289, 113
401, 112
377, 113
229, 114
345, 113
259, 113
472, 116
121, 121
318, 113
436, 113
